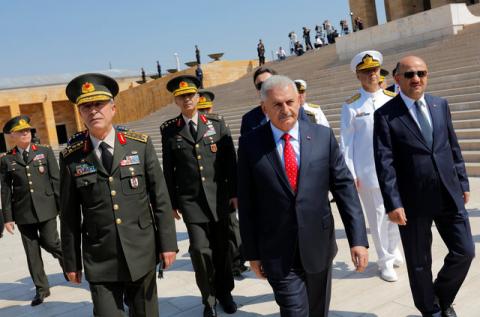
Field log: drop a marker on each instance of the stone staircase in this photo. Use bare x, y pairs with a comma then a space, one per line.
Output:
454, 66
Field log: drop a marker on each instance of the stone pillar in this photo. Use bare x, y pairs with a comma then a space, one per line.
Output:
78, 120
396, 9
49, 120
366, 10
14, 109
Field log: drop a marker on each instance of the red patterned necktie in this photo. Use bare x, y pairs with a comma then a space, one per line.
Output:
291, 167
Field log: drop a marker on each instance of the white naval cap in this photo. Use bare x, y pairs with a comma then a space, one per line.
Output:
366, 60
301, 84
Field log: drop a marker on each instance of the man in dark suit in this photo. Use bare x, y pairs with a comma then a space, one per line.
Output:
30, 198
256, 117
116, 213
285, 218
199, 164
423, 179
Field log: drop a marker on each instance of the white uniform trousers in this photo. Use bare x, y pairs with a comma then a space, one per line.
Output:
385, 234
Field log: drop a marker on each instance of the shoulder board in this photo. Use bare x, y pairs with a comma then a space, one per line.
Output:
79, 136
136, 136
313, 105
353, 98
214, 116
2, 154
71, 148
10, 151
43, 145
389, 93
168, 123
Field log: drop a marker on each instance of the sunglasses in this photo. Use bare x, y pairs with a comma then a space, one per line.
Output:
410, 75
259, 85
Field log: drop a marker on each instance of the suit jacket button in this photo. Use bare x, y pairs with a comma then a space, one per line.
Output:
28, 174
199, 157
116, 207
113, 193
203, 179
30, 183
201, 168
197, 146
27, 167
31, 190
110, 179
118, 221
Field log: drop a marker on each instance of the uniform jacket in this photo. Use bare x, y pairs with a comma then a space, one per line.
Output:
114, 215
252, 120
409, 172
30, 192
274, 220
356, 134
194, 169
317, 112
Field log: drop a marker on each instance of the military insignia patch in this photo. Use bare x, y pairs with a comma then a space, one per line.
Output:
134, 182
183, 84
41, 169
130, 160
39, 157
87, 87
85, 169
213, 148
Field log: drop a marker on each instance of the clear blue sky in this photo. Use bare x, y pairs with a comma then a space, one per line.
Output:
59, 36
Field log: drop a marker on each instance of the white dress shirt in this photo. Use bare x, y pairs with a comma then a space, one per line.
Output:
194, 119
410, 103
21, 150
109, 139
280, 143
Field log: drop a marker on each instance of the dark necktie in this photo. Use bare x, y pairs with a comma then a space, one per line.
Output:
107, 157
25, 156
425, 126
291, 166
193, 131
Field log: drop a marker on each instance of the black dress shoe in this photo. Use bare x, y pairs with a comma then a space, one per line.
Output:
38, 299
449, 312
228, 305
209, 311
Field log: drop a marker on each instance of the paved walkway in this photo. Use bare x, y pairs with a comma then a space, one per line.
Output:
354, 294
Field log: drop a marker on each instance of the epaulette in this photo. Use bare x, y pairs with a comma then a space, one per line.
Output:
71, 148
353, 98
214, 116
11, 151
168, 123
44, 145
79, 136
389, 93
313, 105
2, 154
136, 136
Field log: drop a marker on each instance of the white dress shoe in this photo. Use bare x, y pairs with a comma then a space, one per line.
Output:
389, 275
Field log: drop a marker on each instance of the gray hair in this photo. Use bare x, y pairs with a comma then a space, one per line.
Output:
275, 81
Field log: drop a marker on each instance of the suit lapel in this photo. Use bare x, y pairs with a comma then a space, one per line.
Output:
436, 115
273, 157
118, 154
184, 131
305, 150
201, 129
409, 122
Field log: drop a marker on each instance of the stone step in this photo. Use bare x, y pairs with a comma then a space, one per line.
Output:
471, 156
469, 145
473, 169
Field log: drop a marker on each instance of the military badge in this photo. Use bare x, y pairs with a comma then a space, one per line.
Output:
362, 114
134, 182
39, 157
213, 148
183, 84
87, 87
84, 169
130, 160
41, 169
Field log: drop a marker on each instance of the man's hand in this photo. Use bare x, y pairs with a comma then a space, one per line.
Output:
256, 267
466, 197
75, 277
168, 258
398, 216
176, 214
359, 258
10, 226
234, 202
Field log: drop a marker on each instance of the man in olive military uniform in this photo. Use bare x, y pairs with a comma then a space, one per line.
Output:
30, 199
205, 106
115, 205
199, 164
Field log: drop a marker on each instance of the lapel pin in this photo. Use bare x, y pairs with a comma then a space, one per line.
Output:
308, 137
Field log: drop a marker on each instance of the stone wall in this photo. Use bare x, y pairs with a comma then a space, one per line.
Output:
366, 10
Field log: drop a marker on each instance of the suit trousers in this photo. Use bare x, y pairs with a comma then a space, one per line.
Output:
210, 259
385, 234
140, 296
302, 294
454, 229
36, 235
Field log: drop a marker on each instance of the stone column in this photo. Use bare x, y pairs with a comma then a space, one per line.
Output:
396, 9
50, 127
78, 120
14, 109
366, 10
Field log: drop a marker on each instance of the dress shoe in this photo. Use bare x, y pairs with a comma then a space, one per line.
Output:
38, 299
389, 275
449, 312
210, 311
228, 305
